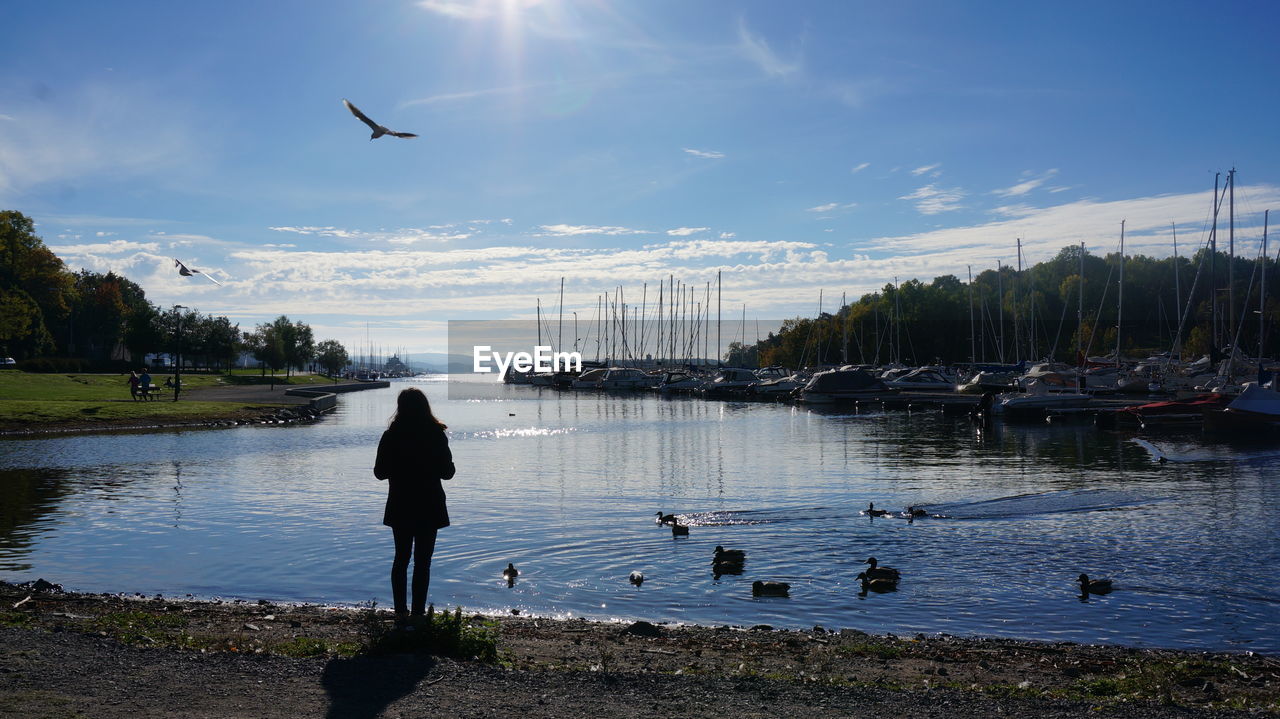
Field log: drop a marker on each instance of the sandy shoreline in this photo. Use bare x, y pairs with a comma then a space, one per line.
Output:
232, 650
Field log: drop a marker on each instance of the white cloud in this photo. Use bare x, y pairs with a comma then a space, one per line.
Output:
1021, 188
859, 168
728, 235
574, 230
759, 52
833, 206
113, 247
707, 154
1047, 230
403, 236
686, 231
926, 168
931, 200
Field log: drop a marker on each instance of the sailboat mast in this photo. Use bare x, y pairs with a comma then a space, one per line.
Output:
1080, 358
718, 297
844, 333
1231, 256
1213, 271
1177, 282
560, 327
1000, 303
973, 350
1120, 301
1262, 298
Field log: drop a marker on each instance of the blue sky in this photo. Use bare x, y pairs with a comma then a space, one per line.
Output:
796, 147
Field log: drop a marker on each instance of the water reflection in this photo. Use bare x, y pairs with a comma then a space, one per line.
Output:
566, 486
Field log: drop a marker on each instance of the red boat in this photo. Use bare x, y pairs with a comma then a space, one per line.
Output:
1178, 412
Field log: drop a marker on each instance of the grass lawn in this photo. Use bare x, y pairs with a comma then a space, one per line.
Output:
44, 387
24, 414
30, 400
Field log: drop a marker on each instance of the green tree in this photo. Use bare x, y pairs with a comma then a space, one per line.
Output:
34, 275
332, 356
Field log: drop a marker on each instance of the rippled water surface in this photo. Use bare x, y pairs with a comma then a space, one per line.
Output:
566, 486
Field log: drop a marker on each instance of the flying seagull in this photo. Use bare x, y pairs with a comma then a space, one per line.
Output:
187, 271
378, 130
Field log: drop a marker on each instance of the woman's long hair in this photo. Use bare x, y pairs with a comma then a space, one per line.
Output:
414, 411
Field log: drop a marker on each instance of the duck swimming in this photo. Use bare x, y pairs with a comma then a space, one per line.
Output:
770, 589
636, 578
881, 572
877, 584
679, 530
665, 518
728, 556
1094, 586
510, 574
871, 510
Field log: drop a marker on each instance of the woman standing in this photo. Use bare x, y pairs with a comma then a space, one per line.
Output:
414, 456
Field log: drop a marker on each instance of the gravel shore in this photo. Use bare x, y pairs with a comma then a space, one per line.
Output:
69, 655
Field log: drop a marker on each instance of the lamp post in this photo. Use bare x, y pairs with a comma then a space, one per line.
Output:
177, 365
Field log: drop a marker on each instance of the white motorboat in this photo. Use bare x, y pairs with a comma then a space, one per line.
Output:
675, 382
588, 380
729, 382
924, 379
1038, 398
623, 378
842, 385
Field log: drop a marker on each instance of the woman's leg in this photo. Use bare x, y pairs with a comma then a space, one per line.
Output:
400, 567
426, 546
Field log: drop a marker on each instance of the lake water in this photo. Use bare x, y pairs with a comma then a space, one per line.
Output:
566, 486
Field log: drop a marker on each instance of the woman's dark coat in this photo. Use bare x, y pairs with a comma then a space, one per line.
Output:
414, 460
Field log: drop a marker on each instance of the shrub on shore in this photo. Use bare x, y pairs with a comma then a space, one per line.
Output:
442, 634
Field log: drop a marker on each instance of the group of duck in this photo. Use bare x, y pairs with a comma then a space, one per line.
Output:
731, 561
876, 578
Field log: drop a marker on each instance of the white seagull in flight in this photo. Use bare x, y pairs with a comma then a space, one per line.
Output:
378, 130
187, 271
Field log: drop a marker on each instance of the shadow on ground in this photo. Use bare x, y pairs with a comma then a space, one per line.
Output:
365, 686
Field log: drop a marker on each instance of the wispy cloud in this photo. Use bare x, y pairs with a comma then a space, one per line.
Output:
708, 154
926, 168
830, 206
859, 168
1096, 223
931, 200
686, 231
473, 94
403, 236
458, 9
94, 130
574, 230
1027, 185
728, 235
758, 51
114, 247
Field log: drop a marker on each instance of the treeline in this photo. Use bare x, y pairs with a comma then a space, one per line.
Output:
105, 320
1032, 314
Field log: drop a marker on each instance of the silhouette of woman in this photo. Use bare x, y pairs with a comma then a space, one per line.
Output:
414, 456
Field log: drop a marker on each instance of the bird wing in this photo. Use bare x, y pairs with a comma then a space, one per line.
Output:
363, 117
209, 277
401, 134
183, 269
